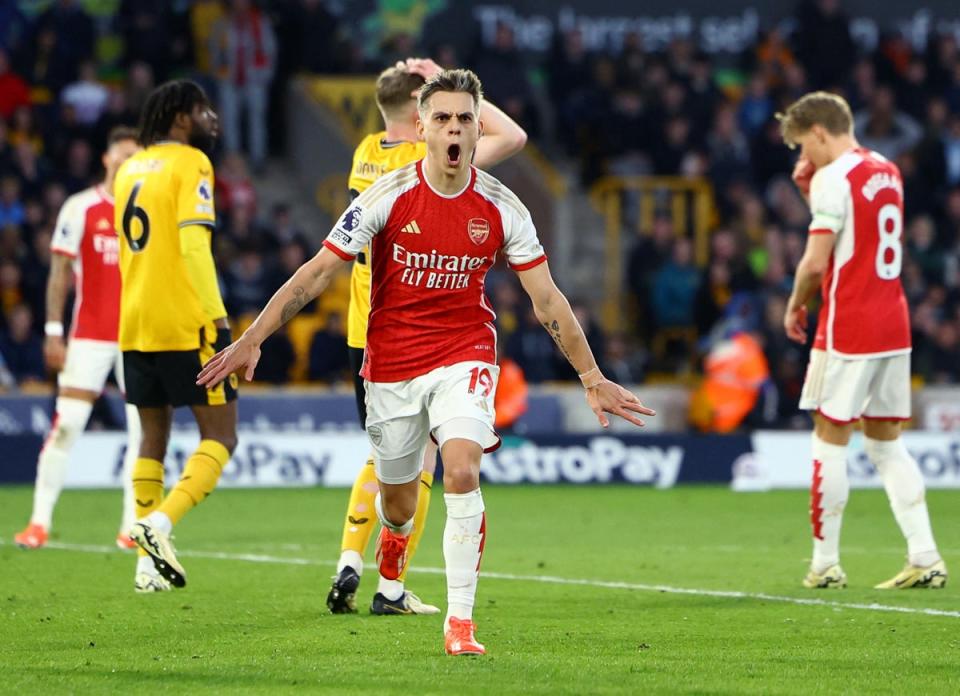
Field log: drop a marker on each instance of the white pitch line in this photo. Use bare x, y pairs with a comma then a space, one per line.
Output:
546, 579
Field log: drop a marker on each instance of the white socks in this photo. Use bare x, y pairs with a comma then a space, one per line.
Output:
403, 529
159, 520
129, 515
828, 496
904, 484
463, 540
68, 424
350, 558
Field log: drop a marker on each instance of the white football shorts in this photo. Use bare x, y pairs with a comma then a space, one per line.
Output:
844, 390
455, 401
88, 363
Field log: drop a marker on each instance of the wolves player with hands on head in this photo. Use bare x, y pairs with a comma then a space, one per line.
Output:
860, 363
435, 228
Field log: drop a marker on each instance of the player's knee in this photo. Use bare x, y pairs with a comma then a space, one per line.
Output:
460, 477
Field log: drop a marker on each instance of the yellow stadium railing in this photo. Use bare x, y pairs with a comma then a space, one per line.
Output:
688, 202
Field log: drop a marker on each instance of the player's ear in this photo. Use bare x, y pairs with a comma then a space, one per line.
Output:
419, 128
479, 126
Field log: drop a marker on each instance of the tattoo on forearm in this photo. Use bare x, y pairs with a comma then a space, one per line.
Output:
293, 306
553, 328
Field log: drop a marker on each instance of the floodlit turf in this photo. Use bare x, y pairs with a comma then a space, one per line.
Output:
71, 622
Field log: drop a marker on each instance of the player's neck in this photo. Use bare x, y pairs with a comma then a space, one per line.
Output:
842, 145
445, 183
401, 132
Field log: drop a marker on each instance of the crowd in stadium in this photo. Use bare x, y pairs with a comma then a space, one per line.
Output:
630, 112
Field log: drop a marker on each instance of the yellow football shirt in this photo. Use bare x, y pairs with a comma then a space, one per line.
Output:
159, 191
374, 157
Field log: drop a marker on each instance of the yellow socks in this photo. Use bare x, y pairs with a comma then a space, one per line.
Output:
198, 481
419, 519
361, 517
147, 488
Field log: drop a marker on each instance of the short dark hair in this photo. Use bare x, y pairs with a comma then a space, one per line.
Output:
163, 105
395, 87
459, 80
120, 133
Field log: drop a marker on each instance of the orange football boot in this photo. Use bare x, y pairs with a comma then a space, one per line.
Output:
391, 553
33, 537
459, 638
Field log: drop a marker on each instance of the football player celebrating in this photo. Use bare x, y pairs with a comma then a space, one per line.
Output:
377, 154
435, 228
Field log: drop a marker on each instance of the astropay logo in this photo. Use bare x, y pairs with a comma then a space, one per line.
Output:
599, 460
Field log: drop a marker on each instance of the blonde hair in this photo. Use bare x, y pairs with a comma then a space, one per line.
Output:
830, 111
394, 89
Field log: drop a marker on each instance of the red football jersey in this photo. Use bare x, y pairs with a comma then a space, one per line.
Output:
430, 254
859, 198
85, 233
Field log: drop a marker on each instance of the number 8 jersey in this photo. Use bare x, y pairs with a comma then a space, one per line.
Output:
859, 198
159, 192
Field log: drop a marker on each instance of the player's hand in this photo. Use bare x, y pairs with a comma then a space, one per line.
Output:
241, 356
795, 323
424, 67
802, 174
610, 397
54, 352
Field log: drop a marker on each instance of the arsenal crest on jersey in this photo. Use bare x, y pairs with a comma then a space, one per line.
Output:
478, 229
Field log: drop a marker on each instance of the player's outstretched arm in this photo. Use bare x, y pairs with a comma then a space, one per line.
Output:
242, 355
502, 136
58, 284
554, 313
810, 270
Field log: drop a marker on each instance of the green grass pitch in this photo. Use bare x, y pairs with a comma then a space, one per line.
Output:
252, 618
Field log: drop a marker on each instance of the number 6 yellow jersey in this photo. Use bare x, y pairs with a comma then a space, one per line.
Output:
160, 191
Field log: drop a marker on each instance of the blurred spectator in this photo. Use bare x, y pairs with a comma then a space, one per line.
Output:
533, 350
735, 371
922, 249
328, 351
87, 96
944, 365
65, 33
138, 86
243, 57
276, 358
247, 282
24, 129
234, 188
11, 294
21, 348
823, 41
728, 149
505, 80
650, 252
150, 35
283, 230
675, 287
510, 401
773, 57
11, 207
756, 107
14, 91
315, 30
883, 128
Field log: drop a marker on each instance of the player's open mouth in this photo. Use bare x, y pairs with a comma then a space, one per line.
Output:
453, 155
